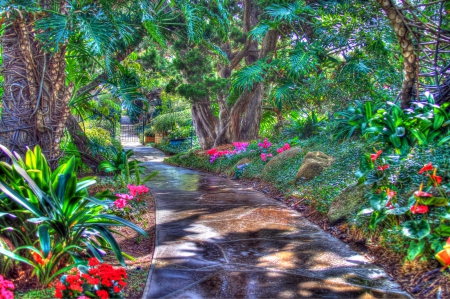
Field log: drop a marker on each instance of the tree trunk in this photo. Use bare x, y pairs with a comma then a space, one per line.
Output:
407, 47
35, 96
205, 123
81, 141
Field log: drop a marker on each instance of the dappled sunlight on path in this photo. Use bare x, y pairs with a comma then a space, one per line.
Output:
218, 239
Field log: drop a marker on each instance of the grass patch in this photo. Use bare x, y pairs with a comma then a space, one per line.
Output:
37, 294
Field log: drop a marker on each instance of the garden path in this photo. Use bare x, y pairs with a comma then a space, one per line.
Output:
218, 239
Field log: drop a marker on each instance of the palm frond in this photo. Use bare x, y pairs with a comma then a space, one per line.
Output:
288, 12
218, 51
96, 29
194, 22
154, 32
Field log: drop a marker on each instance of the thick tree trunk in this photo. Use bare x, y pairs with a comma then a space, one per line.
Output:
205, 123
35, 96
407, 47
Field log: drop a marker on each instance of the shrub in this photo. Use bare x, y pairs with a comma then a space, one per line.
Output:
56, 206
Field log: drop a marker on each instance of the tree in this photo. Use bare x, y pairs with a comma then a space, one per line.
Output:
39, 37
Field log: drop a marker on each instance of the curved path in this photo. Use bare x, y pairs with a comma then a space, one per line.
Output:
218, 239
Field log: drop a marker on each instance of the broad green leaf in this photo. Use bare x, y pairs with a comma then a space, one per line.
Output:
415, 248
44, 239
416, 229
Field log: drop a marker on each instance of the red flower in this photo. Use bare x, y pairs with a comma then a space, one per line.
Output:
212, 151
419, 209
422, 194
117, 289
92, 262
389, 205
58, 294
37, 258
102, 294
436, 179
375, 156
384, 167
427, 167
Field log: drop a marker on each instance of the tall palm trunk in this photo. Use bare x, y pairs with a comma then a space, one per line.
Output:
35, 95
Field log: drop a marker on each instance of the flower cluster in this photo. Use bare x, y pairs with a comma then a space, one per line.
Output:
214, 154
265, 144
137, 190
123, 199
424, 197
375, 156
285, 147
100, 281
240, 147
443, 256
6, 288
264, 157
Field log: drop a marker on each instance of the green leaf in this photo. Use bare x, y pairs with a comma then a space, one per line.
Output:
415, 249
16, 257
19, 199
44, 239
122, 221
416, 229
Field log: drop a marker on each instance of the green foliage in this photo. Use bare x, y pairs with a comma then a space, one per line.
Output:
355, 120
164, 123
56, 205
302, 125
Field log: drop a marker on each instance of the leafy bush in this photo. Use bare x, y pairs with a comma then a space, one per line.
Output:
303, 126
426, 225
57, 207
164, 123
123, 169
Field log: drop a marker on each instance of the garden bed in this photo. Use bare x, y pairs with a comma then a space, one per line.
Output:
139, 247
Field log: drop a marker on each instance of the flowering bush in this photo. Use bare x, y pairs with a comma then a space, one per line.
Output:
427, 208
240, 146
98, 280
240, 170
130, 205
6, 288
285, 147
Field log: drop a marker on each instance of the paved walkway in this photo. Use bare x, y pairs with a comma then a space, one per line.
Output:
218, 239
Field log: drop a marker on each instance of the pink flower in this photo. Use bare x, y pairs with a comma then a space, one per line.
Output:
265, 156
124, 196
419, 209
120, 203
137, 190
83, 297
240, 146
265, 144
285, 147
6, 288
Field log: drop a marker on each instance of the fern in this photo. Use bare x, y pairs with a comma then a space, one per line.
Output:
194, 22
288, 12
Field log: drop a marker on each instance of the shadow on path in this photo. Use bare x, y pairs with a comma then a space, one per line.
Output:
218, 239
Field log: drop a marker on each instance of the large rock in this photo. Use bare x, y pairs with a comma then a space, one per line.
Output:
279, 159
349, 201
312, 165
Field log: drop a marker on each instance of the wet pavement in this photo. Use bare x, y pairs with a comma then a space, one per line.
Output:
218, 239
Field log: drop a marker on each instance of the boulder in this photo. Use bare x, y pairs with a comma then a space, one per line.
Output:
276, 161
350, 200
312, 165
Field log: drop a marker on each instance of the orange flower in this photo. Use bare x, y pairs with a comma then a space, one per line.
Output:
443, 256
